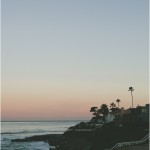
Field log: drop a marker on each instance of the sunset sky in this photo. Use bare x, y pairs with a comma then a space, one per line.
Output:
61, 57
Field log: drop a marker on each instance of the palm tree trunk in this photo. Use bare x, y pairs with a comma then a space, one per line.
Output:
132, 99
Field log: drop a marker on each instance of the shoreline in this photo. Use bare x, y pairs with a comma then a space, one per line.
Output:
98, 139
70, 141
52, 139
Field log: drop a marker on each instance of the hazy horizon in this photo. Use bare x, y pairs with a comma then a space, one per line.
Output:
42, 120
59, 58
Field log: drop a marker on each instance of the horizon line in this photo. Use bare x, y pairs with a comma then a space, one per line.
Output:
43, 120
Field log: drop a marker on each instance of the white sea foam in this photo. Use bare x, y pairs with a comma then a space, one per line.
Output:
26, 146
15, 130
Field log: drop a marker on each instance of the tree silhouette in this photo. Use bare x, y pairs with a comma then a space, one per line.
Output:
96, 114
104, 110
118, 101
113, 107
131, 89
94, 110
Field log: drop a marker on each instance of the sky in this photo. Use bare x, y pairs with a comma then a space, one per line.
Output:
59, 58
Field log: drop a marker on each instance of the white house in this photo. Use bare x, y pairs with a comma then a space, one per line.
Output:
110, 117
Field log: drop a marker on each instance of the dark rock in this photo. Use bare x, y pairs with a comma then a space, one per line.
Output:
99, 139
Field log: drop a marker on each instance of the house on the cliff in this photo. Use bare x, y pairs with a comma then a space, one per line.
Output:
143, 113
113, 113
136, 116
133, 116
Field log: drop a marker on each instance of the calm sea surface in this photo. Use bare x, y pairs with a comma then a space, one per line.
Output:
14, 130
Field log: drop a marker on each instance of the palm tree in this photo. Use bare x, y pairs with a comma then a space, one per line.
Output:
118, 101
113, 107
104, 110
131, 89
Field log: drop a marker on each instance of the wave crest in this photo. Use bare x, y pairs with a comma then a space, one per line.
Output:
26, 131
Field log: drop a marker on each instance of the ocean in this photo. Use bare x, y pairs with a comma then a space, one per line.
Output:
15, 130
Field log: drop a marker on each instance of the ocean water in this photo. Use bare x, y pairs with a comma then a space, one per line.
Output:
15, 130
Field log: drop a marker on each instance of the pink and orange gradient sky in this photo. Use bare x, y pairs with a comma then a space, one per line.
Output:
59, 58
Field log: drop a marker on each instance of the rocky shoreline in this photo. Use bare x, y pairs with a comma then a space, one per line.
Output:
102, 138
52, 139
60, 141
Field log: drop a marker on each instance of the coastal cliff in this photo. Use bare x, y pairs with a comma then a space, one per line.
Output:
98, 139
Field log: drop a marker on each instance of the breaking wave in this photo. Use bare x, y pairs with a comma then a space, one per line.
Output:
25, 131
